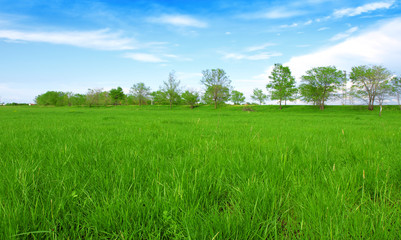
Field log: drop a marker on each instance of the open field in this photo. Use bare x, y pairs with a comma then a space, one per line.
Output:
130, 172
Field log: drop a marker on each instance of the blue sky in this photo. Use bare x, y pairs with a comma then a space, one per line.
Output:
75, 45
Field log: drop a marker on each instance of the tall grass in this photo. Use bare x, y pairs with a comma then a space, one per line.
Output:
152, 173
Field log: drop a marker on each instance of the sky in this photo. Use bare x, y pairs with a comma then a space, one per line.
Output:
74, 45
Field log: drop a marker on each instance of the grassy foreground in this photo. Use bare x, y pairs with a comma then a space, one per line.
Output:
151, 173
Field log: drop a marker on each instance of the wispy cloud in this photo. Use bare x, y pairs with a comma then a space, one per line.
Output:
3, 22
144, 57
274, 13
378, 46
179, 20
282, 13
323, 28
253, 57
344, 35
369, 7
99, 39
259, 47
289, 25
154, 58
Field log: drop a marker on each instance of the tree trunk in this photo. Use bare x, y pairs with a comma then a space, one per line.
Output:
371, 102
171, 105
381, 109
215, 104
322, 105
280, 104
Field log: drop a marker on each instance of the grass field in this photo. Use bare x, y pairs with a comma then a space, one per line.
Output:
130, 172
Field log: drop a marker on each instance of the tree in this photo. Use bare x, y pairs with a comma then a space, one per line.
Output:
282, 85
191, 98
52, 98
309, 93
384, 90
237, 97
93, 96
159, 97
320, 83
368, 82
396, 84
258, 95
78, 99
117, 95
140, 92
105, 98
217, 85
171, 89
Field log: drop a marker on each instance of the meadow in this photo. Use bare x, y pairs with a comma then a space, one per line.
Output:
148, 172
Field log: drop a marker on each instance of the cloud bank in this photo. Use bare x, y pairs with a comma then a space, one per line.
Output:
369, 7
380, 46
179, 20
100, 39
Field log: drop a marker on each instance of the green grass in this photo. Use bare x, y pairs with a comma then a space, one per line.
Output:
147, 172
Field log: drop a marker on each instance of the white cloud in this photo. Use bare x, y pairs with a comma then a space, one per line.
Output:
179, 20
282, 13
259, 47
323, 28
254, 57
350, 12
100, 39
144, 57
377, 46
343, 35
152, 58
308, 22
228, 33
275, 13
289, 26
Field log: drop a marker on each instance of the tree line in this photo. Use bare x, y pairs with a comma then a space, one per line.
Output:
372, 84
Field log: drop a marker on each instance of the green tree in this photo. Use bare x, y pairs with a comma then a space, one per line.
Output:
384, 91
320, 83
159, 97
140, 92
217, 85
191, 98
368, 82
52, 98
117, 95
171, 89
93, 96
105, 98
396, 84
282, 84
237, 97
78, 99
258, 95
309, 93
